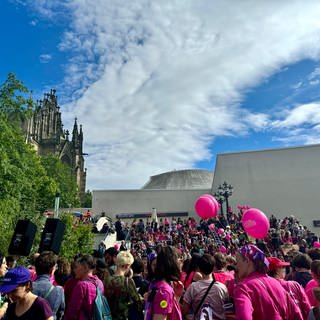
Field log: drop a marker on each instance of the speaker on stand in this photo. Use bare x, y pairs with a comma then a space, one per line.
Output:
22, 239
52, 235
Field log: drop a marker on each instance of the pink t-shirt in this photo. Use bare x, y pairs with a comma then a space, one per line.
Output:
80, 306
165, 303
309, 287
223, 277
260, 297
298, 295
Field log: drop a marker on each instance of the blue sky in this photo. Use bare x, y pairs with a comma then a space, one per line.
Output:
162, 86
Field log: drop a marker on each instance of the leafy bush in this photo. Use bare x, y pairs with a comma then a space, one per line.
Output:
78, 238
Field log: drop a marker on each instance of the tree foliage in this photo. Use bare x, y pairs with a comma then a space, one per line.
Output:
78, 237
87, 199
15, 104
66, 183
28, 183
23, 181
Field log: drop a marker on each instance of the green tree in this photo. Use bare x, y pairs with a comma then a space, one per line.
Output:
15, 104
28, 183
87, 199
78, 238
23, 181
66, 183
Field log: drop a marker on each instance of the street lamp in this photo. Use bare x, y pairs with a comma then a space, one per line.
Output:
220, 200
225, 190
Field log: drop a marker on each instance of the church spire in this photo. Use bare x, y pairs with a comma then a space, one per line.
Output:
75, 133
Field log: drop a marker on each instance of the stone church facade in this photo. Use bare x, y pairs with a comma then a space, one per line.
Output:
45, 131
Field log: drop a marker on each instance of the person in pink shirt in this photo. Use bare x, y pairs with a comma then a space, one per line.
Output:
80, 306
191, 273
256, 295
277, 270
315, 282
165, 291
220, 273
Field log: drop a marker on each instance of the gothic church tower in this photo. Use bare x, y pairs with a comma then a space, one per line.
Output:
45, 131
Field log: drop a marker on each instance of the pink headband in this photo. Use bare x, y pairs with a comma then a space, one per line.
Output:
253, 253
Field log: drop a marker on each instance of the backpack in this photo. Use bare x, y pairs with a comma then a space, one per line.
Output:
206, 312
101, 309
205, 309
149, 304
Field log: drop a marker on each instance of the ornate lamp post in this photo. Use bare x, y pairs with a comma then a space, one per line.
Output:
220, 200
225, 190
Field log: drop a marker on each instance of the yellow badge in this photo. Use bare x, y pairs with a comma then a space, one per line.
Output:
163, 304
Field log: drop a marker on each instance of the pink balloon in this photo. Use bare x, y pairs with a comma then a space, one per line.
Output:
228, 236
116, 246
255, 223
316, 244
211, 226
223, 249
205, 207
179, 226
215, 202
220, 231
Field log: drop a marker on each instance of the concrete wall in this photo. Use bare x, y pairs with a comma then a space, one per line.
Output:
115, 202
280, 181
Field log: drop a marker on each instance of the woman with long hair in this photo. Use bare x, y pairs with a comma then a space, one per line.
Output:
166, 289
191, 273
63, 271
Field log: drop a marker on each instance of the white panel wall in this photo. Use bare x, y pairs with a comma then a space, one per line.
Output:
280, 181
114, 202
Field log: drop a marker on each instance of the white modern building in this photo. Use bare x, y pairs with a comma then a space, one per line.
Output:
282, 181
172, 194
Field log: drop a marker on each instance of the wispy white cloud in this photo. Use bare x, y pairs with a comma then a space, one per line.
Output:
297, 85
45, 58
33, 23
314, 74
299, 125
300, 115
155, 82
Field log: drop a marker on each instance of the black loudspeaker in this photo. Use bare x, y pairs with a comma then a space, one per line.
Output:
52, 235
22, 238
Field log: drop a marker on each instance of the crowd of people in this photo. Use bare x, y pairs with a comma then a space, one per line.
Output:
172, 270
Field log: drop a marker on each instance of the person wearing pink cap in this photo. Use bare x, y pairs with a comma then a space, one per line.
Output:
277, 270
256, 295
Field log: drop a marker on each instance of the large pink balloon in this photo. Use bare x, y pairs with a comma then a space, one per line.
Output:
255, 223
215, 202
205, 207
